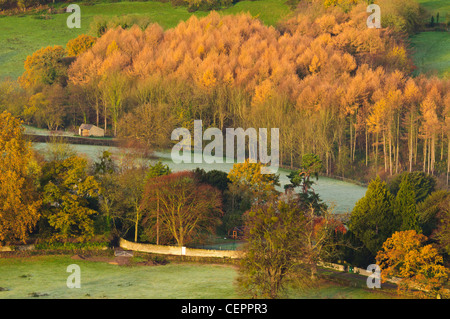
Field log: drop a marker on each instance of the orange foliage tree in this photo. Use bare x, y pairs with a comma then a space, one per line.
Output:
44, 67
347, 86
80, 44
19, 206
419, 266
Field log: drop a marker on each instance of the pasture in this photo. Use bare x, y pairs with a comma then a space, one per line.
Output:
431, 52
45, 277
21, 35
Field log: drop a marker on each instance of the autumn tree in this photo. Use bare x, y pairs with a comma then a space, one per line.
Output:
105, 172
156, 170
44, 67
12, 98
149, 124
47, 108
249, 177
274, 250
347, 86
132, 183
19, 208
187, 208
113, 88
322, 235
80, 44
68, 193
419, 266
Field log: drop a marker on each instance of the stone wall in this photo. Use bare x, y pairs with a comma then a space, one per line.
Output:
175, 250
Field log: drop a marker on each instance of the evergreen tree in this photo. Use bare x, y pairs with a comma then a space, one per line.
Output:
405, 206
422, 183
373, 219
311, 166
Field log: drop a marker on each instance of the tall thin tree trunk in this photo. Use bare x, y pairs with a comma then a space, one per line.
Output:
448, 156
367, 148
416, 146
384, 152
425, 155
351, 140
354, 145
398, 146
433, 152
429, 156
157, 222
390, 154
105, 117
376, 154
411, 135
136, 224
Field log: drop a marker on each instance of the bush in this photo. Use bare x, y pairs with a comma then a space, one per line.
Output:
68, 246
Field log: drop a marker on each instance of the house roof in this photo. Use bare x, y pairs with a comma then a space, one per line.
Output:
88, 126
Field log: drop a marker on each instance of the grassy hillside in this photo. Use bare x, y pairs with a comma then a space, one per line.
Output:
432, 49
435, 6
22, 35
432, 52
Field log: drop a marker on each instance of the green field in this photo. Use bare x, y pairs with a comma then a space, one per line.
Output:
435, 6
431, 52
46, 276
22, 35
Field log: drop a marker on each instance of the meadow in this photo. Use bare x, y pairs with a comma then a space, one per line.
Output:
431, 52
435, 6
45, 277
22, 35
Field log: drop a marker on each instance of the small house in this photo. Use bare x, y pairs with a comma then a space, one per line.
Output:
91, 130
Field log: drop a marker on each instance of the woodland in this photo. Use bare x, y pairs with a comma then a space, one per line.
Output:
344, 97
331, 85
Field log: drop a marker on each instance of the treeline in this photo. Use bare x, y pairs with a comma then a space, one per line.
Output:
58, 196
331, 85
64, 200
